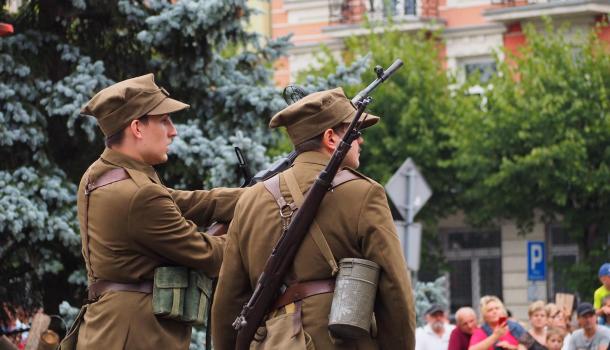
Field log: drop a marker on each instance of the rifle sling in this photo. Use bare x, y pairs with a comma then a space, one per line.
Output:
273, 186
316, 233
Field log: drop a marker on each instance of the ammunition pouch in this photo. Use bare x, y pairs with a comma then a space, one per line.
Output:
197, 299
181, 294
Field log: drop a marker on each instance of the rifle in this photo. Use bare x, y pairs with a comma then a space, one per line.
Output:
277, 265
219, 229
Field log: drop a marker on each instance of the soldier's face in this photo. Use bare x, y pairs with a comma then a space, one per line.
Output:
157, 135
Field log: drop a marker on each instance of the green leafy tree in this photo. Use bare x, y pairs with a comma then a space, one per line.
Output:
64, 52
418, 107
540, 148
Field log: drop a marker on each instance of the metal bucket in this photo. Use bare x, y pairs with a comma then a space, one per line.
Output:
354, 298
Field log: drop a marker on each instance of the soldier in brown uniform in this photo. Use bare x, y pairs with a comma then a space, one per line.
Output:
356, 223
131, 223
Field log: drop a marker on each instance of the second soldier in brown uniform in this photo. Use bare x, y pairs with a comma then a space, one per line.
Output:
355, 221
131, 223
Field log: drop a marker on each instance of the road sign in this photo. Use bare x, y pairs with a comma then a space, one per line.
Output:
410, 239
408, 190
536, 261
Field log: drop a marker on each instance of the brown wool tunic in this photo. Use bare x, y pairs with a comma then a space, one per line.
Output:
136, 225
356, 222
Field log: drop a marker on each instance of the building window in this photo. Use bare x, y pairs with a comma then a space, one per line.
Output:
460, 282
486, 69
475, 265
563, 252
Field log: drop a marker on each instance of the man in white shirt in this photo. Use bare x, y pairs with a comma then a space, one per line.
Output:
435, 334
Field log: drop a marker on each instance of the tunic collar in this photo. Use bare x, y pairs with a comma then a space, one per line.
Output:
121, 160
313, 157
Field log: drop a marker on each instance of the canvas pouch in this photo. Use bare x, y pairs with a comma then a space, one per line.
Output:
198, 298
169, 290
284, 331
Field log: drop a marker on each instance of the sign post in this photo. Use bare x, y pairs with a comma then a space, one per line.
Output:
536, 269
409, 192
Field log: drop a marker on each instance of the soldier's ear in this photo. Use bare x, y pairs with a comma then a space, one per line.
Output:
330, 140
135, 128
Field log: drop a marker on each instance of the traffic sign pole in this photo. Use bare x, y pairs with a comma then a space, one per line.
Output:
408, 190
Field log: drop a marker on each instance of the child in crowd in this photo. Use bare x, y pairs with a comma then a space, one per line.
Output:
604, 315
554, 338
602, 292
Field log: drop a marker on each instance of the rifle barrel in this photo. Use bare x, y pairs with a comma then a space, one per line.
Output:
372, 86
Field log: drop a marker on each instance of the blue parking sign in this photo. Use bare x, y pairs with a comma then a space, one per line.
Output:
536, 261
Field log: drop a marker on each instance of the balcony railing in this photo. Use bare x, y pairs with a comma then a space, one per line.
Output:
353, 11
378, 9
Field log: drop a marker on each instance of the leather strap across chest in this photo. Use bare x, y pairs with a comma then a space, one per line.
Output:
105, 179
273, 186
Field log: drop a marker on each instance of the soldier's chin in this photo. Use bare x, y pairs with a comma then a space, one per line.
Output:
158, 160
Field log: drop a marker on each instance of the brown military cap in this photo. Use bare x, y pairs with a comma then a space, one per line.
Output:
117, 105
317, 112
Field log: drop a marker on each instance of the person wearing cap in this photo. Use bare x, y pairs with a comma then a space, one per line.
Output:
435, 334
131, 223
603, 291
355, 221
590, 336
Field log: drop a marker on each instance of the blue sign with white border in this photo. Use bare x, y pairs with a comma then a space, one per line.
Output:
536, 261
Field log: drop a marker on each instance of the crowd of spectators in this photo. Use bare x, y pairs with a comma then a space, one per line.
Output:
549, 326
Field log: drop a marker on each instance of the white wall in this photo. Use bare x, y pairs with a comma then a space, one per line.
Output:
514, 269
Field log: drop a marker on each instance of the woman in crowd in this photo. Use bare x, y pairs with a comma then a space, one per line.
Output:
496, 331
535, 338
556, 318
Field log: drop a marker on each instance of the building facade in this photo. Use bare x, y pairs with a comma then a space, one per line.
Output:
482, 261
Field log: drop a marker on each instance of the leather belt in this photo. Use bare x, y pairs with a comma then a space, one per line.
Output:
300, 291
99, 287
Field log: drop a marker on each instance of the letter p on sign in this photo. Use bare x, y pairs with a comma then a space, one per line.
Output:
536, 261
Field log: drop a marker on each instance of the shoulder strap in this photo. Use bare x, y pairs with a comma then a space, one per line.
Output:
273, 186
111, 176
317, 235
106, 178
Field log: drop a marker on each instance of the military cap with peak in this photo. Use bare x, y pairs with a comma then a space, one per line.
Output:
314, 113
117, 105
